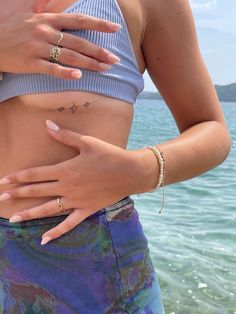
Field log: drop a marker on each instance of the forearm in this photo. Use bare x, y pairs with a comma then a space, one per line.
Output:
195, 151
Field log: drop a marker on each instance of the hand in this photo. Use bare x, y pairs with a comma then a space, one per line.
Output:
26, 40
100, 175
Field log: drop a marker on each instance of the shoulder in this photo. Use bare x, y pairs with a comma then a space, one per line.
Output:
166, 14
150, 16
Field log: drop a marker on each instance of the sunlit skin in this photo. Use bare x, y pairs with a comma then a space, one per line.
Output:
86, 160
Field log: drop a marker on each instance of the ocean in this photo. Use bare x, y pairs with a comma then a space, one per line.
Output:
193, 242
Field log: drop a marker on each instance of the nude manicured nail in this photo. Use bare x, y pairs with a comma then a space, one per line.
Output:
46, 240
5, 196
52, 126
114, 26
15, 218
5, 181
113, 58
76, 74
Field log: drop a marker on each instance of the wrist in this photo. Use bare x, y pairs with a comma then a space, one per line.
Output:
146, 170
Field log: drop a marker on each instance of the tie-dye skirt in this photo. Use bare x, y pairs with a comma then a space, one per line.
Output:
101, 266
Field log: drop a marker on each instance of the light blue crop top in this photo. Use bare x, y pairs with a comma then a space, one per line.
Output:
123, 81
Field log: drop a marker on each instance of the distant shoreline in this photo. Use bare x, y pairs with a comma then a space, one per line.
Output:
225, 93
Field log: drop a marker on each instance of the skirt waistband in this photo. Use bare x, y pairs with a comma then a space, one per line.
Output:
124, 201
56, 219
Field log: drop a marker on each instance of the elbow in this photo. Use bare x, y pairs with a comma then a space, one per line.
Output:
229, 143
225, 144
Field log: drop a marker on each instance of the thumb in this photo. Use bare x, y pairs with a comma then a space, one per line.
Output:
64, 136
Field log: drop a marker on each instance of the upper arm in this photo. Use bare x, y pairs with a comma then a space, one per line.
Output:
174, 63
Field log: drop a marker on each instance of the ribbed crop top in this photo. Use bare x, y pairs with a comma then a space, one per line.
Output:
123, 81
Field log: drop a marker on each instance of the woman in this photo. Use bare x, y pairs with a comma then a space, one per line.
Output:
94, 257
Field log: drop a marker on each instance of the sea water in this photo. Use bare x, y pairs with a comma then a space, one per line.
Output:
193, 242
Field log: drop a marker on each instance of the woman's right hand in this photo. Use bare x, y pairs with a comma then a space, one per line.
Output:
27, 35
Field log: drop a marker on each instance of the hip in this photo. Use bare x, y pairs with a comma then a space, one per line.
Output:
101, 266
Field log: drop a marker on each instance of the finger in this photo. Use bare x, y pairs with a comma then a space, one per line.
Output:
75, 218
69, 58
57, 70
82, 21
45, 210
73, 58
37, 174
35, 190
66, 136
87, 48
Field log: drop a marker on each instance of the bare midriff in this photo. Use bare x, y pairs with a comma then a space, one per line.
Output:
25, 142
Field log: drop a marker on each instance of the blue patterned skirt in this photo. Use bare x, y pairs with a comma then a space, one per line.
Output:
101, 266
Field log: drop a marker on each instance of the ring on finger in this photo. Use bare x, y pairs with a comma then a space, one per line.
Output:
60, 205
55, 54
60, 38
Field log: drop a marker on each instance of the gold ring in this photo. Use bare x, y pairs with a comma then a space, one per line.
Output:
60, 39
55, 54
60, 205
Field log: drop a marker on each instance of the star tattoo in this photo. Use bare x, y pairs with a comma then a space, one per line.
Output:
61, 109
86, 104
73, 108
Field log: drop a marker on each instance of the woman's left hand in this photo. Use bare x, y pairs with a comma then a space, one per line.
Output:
99, 176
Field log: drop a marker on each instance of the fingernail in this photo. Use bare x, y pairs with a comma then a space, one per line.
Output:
5, 196
76, 74
5, 181
113, 58
114, 26
46, 240
16, 218
104, 66
52, 126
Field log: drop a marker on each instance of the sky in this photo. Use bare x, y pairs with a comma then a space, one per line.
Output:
215, 21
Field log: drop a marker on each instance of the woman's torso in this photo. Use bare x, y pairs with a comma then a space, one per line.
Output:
24, 141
